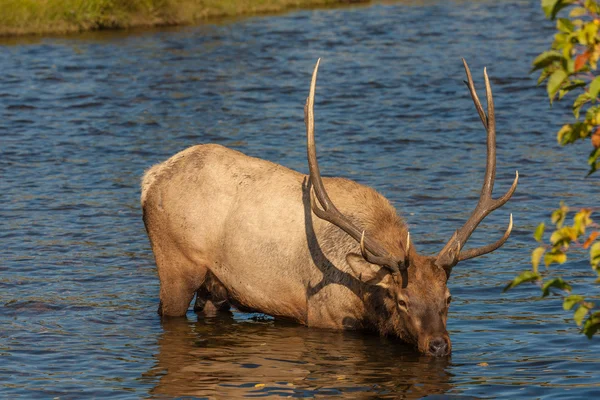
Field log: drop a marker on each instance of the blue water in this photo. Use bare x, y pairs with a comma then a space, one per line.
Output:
82, 117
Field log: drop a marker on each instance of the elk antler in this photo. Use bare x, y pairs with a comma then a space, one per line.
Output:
451, 253
371, 251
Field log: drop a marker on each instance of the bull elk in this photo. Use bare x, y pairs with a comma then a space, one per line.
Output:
324, 252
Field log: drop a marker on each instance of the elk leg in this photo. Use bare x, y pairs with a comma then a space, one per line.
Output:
219, 296
202, 296
211, 290
179, 278
175, 297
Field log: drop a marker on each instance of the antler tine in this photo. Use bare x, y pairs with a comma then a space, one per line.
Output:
371, 250
474, 96
313, 165
479, 251
329, 210
490, 168
451, 253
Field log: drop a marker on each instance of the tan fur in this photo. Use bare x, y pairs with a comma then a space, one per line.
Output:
248, 222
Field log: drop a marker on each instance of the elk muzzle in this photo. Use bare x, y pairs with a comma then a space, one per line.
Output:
437, 346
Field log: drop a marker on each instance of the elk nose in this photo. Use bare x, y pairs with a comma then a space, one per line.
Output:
438, 347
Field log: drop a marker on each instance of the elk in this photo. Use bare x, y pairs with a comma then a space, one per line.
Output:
323, 252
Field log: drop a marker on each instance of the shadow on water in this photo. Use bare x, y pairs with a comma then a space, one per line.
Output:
226, 357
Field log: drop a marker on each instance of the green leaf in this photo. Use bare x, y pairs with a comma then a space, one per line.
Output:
545, 59
571, 300
592, 325
560, 41
555, 256
578, 12
569, 66
548, 6
558, 237
579, 102
574, 132
539, 232
581, 221
595, 256
580, 314
592, 114
592, 6
563, 236
558, 216
587, 34
564, 135
594, 155
595, 87
544, 75
556, 79
560, 4
536, 256
526, 276
565, 25
552, 7
574, 84
558, 283
562, 93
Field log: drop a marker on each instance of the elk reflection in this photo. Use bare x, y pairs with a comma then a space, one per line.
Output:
223, 356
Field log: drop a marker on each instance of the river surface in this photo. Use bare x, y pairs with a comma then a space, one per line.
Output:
82, 118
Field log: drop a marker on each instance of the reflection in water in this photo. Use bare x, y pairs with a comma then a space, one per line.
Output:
227, 357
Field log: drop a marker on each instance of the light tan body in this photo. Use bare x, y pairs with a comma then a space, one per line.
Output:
249, 222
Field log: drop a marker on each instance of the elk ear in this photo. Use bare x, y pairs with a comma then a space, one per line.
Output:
367, 272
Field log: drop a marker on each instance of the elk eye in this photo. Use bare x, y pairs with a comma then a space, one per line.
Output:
449, 300
402, 303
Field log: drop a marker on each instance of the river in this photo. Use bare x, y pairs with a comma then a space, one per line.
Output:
82, 117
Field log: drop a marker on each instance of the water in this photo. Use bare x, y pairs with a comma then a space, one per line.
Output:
82, 117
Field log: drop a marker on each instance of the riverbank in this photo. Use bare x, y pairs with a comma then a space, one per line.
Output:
36, 17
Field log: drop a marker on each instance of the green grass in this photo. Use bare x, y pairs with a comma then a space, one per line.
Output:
21, 17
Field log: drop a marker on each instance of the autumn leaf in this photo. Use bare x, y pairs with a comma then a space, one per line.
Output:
580, 60
591, 239
596, 138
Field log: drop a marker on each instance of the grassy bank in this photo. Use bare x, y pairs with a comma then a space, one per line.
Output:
22, 17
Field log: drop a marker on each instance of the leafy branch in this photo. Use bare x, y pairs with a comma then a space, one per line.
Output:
583, 233
570, 66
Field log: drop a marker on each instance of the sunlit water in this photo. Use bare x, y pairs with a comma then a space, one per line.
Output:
82, 117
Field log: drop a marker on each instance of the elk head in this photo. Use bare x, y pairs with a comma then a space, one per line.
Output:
410, 295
